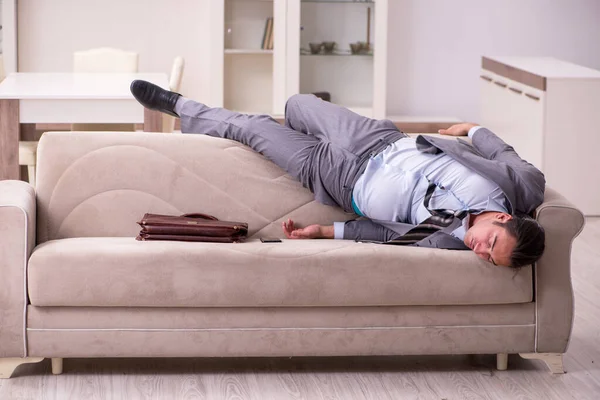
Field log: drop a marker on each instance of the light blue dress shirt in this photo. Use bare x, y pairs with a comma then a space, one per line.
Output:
394, 183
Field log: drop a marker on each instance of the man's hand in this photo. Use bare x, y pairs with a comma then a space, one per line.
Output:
310, 232
457, 130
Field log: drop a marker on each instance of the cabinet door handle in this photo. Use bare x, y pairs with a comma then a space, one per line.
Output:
532, 96
502, 85
516, 90
485, 78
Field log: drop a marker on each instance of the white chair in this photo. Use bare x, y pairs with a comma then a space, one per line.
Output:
105, 59
27, 156
174, 85
2, 73
27, 150
108, 60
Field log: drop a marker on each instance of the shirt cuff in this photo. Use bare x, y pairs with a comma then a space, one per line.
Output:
473, 130
338, 230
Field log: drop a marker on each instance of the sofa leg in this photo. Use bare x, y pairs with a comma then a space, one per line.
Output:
554, 361
8, 365
57, 366
501, 361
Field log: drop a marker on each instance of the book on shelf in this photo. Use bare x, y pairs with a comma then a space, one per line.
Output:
267, 34
271, 34
264, 39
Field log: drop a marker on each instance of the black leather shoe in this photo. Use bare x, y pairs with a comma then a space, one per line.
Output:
154, 97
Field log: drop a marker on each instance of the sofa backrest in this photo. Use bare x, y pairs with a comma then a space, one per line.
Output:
102, 183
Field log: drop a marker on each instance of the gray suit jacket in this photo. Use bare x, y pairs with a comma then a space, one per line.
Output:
522, 183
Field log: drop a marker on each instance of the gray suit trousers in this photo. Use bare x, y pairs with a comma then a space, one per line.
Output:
324, 146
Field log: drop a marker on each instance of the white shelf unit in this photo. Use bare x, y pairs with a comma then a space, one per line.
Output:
252, 80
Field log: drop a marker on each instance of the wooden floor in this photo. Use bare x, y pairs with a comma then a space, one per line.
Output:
377, 378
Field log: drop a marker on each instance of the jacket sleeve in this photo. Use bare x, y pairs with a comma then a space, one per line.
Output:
365, 229
492, 147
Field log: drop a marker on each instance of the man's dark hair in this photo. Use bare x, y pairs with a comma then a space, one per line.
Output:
531, 240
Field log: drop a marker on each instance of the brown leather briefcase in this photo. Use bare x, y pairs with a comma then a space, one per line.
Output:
192, 228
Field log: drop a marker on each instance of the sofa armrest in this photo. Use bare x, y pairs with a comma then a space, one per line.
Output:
562, 222
17, 240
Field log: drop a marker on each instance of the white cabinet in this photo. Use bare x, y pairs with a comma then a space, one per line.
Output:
253, 80
547, 110
515, 113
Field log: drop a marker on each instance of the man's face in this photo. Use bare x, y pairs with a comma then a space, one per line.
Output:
490, 241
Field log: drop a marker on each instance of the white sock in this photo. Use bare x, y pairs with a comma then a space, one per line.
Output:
179, 105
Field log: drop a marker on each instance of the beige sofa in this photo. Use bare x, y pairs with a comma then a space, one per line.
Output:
75, 282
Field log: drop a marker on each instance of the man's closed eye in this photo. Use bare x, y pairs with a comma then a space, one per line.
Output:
490, 259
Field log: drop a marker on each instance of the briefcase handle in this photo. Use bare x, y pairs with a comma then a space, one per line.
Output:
200, 215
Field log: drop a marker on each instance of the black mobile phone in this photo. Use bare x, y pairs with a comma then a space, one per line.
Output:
270, 240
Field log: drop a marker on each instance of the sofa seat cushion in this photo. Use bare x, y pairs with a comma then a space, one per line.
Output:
128, 273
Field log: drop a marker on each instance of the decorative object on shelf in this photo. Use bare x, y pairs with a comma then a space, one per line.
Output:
323, 95
328, 47
315, 48
360, 48
356, 48
336, 52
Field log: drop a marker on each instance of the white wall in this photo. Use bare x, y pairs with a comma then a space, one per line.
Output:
159, 30
436, 46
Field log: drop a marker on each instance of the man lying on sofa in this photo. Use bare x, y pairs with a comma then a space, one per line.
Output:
427, 191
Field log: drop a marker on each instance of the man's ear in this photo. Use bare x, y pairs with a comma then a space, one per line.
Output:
503, 217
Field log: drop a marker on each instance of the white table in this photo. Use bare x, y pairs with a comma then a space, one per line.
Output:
32, 98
